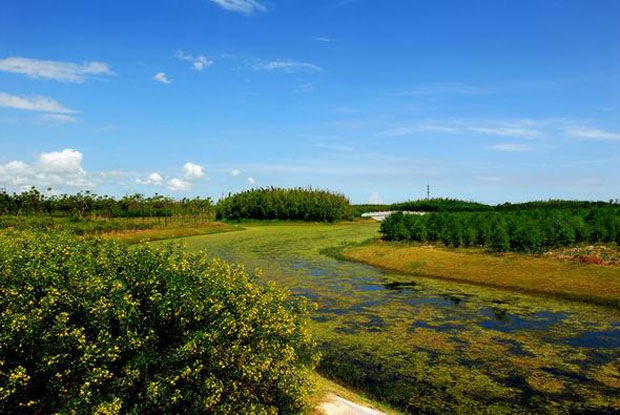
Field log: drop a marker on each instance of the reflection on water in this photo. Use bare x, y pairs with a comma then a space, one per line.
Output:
418, 341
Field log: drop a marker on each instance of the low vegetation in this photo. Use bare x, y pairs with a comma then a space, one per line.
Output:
89, 326
525, 273
284, 204
521, 231
170, 232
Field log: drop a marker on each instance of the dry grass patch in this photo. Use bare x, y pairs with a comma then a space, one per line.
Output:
157, 234
587, 282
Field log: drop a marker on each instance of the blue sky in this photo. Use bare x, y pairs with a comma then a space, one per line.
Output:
487, 100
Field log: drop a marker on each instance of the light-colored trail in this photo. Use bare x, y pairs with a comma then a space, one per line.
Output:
335, 405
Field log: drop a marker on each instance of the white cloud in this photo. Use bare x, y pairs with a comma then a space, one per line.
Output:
510, 147
251, 181
193, 171
154, 179
287, 66
161, 77
35, 103
235, 172
180, 185
375, 199
198, 62
593, 134
241, 6
58, 118
57, 168
325, 39
56, 70
64, 160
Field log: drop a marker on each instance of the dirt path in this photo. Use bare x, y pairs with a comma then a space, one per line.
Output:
335, 405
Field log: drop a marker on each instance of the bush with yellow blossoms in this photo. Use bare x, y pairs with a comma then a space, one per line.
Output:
89, 326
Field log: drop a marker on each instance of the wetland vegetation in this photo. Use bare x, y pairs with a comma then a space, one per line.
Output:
430, 346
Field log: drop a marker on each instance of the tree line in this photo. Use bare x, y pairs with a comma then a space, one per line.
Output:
87, 204
284, 204
456, 205
529, 230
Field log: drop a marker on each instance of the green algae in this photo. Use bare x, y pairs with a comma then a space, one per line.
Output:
432, 346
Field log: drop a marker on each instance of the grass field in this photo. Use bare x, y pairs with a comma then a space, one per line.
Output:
571, 280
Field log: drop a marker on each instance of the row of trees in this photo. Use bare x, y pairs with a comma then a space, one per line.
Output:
455, 205
86, 204
520, 231
441, 205
284, 204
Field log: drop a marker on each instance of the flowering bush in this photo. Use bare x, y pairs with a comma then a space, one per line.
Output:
89, 326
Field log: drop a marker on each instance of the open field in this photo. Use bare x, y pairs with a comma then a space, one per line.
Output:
435, 346
572, 280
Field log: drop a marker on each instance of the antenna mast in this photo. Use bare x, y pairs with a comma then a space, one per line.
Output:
428, 191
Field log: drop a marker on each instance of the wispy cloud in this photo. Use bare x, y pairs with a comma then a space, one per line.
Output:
287, 65
34, 103
241, 6
56, 70
304, 88
162, 77
58, 118
251, 181
511, 147
593, 134
507, 131
501, 128
334, 147
235, 172
442, 89
198, 62
325, 39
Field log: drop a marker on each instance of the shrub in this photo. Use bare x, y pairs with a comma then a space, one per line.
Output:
284, 204
89, 326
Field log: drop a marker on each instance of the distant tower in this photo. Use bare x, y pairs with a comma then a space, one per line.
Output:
428, 191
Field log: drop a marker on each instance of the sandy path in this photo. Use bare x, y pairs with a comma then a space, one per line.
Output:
335, 405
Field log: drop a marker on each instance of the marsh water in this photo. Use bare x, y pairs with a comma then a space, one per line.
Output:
432, 346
